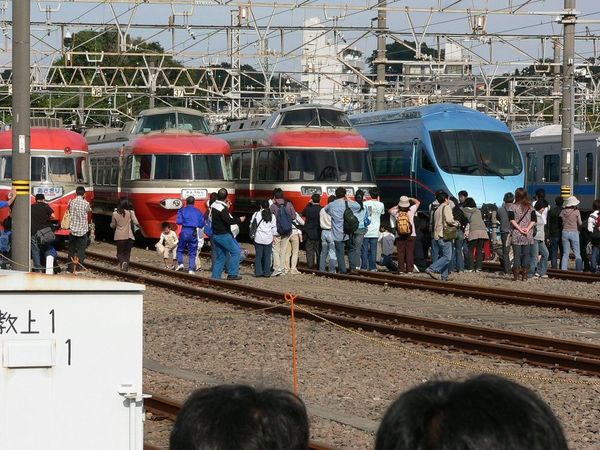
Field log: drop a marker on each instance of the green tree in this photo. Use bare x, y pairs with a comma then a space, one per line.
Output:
397, 51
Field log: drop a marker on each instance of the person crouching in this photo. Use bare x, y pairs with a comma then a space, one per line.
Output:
167, 245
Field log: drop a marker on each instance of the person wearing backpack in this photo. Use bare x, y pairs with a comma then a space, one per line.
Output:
402, 218
285, 214
312, 230
444, 233
263, 228
375, 210
593, 227
343, 224
42, 217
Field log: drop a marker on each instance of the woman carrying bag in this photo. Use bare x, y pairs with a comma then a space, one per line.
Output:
123, 221
523, 221
476, 235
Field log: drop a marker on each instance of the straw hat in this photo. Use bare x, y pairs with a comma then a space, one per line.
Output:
571, 201
404, 202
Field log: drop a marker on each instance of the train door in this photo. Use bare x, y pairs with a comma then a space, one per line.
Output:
413, 168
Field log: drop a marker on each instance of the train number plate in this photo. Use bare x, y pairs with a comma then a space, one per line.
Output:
50, 192
196, 193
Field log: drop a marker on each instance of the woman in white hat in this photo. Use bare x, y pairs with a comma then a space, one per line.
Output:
571, 221
402, 217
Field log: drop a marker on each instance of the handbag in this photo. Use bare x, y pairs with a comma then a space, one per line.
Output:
65, 223
449, 232
45, 236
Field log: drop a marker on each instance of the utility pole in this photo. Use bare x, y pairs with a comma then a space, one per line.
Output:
381, 58
21, 122
567, 152
556, 86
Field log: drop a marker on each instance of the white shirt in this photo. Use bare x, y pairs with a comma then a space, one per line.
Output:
324, 220
374, 211
265, 230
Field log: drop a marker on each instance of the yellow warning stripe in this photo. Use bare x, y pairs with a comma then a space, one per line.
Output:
21, 186
17, 183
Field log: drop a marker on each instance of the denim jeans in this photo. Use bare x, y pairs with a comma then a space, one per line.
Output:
327, 249
541, 266
340, 247
369, 254
458, 255
445, 253
435, 249
262, 263
77, 246
505, 253
570, 241
521, 256
225, 244
312, 253
555, 244
355, 251
595, 258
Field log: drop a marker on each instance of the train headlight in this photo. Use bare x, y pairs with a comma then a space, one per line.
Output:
171, 203
310, 190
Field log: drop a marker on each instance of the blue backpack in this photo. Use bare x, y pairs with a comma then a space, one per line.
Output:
283, 220
208, 226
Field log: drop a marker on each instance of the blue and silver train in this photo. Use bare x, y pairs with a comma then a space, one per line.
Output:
416, 151
541, 148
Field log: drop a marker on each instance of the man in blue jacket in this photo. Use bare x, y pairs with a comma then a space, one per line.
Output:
190, 219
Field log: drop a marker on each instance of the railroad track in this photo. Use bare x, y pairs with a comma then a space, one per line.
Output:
167, 408
519, 347
583, 277
498, 295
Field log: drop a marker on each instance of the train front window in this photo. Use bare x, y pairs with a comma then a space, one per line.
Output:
311, 165
353, 166
172, 167
5, 168
38, 168
333, 118
156, 122
61, 170
209, 167
300, 118
191, 122
472, 152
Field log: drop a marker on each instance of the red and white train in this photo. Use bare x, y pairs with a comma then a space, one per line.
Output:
165, 158
303, 149
59, 163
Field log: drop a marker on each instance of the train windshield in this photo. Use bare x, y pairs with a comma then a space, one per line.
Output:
167, 121
179, 167
347, 166
314, 117
210, 167
473, 152
59, 169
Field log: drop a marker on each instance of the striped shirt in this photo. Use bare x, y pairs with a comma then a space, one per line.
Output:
79, 209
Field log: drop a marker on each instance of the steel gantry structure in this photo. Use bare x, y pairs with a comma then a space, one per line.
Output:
234, 58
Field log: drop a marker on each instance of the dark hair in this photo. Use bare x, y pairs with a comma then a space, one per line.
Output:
40, 197
340, 192
277, 193
485, 412
359, 197
509, 197
374, 192
266, 212
540, 193
123, 206
470, 202
441, 196
222, 194
541, 203
80, 190
212, 198
330, 199
242, 418
559, 201
165, 225
463, 194
315, 198
522, 197
596, 205
7, 224
190, 200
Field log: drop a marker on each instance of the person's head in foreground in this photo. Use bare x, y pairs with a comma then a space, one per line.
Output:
240, 417
485, 412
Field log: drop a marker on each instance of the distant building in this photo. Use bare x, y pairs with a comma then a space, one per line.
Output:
329, 69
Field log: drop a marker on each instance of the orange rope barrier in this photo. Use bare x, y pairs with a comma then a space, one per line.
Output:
292, 299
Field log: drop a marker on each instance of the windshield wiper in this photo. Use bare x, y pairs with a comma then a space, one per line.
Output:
491, 170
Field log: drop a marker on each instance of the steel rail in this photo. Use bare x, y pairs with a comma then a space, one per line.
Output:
168, 408
523, 348
583, 277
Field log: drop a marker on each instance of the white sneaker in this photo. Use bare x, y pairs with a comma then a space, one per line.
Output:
191, 272
180, 267
276, 273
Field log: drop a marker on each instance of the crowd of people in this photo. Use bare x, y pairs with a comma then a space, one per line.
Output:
485, 412
345, 235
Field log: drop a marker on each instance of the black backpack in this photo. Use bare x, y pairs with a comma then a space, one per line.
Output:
350, 221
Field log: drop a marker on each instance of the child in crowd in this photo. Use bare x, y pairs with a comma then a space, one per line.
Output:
266, 228
167, 245
387, 239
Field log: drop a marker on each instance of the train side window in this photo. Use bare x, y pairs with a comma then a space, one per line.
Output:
426, 163
38, 168
391, 163
129, 167
576, 170
263, 165
142, 169
106, 177
81, 170
246, 163
531, 161
235, 165
276, 166
6, 168
589, 167
551, 168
